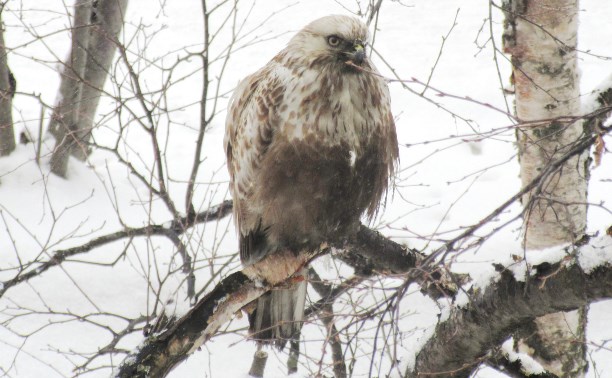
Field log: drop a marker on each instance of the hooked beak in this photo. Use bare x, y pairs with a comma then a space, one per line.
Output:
358, 54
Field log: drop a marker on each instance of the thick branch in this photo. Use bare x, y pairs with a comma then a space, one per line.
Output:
163, 351
461, 343
370, 251
513, 369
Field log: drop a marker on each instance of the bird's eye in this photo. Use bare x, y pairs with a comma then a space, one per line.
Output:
333, 40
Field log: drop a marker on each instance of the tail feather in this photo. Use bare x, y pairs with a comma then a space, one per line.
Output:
278, 315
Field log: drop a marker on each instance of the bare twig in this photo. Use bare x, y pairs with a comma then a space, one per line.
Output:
171, 230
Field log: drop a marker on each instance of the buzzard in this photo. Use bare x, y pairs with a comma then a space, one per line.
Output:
311, 144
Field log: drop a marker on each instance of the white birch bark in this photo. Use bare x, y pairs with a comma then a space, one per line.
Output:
541, 36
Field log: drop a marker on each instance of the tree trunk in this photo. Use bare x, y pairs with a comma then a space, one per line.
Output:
103, 45
97, 24
7, 134
541, 36
66, 113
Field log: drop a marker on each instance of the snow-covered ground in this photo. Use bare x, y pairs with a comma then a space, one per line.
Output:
450, 177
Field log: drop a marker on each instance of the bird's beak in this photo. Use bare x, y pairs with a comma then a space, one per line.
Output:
359, 54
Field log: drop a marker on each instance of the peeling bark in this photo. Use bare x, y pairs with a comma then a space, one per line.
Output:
163, 350
546, 79
541, 36
544, 342
458, 346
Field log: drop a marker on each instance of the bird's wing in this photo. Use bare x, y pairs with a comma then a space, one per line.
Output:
252, 121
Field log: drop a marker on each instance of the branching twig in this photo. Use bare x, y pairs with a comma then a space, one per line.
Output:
327, 317
162, 351
172, 230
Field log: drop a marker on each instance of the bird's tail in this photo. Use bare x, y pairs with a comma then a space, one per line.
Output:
278, 315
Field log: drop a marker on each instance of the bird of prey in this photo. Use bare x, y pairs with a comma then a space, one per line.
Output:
311, 146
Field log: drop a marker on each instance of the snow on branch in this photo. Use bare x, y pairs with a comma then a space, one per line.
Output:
458, 345
461, 343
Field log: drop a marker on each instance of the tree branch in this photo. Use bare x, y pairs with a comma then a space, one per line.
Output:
370, 251
460, 344
162, 351
327, 317
175, 228
513, 369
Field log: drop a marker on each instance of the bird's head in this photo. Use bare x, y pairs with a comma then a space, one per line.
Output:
334, 39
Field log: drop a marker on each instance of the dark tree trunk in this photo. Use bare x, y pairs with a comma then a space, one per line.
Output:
7, 91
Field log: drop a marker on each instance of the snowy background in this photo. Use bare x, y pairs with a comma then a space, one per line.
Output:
450, 176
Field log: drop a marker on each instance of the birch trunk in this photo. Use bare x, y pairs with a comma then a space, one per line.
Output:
7, 133
541, 36
103, 45
94, 41
66, 113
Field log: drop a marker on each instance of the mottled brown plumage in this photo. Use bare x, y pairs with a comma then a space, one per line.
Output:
311, 144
